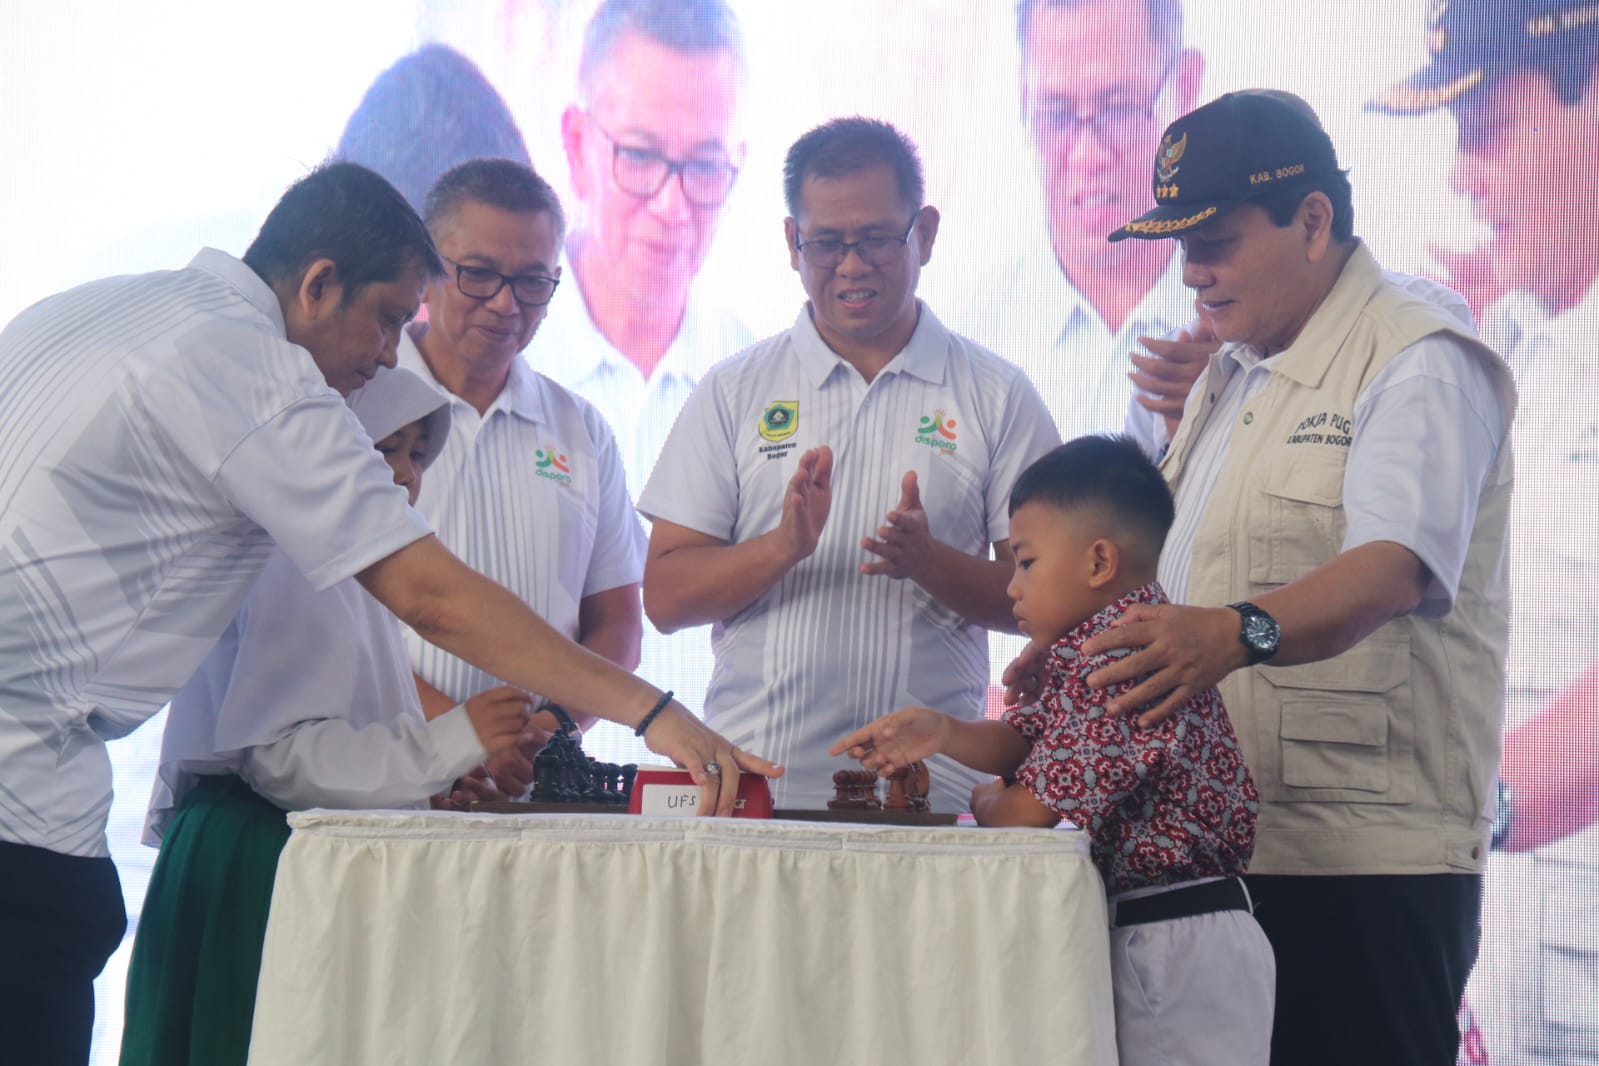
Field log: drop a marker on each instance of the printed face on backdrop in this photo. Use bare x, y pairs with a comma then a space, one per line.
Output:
653, 157
1096, 92
480, 238
1528, 164
866, 300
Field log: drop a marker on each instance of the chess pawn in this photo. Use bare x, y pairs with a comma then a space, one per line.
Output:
854, 790
898, 799
917, 786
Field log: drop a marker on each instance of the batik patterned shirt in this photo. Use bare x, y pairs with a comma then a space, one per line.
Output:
1162, 805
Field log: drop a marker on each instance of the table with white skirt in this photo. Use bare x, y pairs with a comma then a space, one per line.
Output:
400, 938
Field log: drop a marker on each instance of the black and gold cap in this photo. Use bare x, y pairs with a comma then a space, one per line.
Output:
1473, 42
1235, 149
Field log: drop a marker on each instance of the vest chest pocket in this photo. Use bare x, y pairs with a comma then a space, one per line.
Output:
1343, 733
1296, 518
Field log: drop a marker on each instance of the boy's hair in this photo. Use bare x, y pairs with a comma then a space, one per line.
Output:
1111, 472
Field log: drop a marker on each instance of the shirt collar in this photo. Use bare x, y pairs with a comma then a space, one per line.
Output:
521, 396
925, 355
243, 278
1306, 360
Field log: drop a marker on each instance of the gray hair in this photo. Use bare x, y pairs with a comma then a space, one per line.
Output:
507, 184
1163, 17
692, 27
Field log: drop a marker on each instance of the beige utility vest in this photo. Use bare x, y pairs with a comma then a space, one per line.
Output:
1380, 760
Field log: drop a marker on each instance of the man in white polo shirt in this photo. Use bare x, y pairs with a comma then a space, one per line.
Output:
829, 498
158, 434
530, 487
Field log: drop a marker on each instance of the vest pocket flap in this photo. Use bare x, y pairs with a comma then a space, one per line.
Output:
1373, 665
1336, 722
1304, 479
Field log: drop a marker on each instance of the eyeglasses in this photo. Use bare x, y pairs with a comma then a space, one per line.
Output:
481, 283
825, 252
643, 172
1115, 122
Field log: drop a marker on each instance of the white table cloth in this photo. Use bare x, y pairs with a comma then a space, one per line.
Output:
447, 938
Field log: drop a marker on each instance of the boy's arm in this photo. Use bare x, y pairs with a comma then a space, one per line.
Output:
999, 804
913, 733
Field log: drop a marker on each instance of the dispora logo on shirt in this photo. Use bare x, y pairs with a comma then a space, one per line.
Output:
936, 431
779, 420
552, 463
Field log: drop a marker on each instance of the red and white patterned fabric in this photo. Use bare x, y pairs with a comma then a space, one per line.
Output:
1162, 805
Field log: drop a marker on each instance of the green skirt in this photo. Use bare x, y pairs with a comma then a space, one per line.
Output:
197, 951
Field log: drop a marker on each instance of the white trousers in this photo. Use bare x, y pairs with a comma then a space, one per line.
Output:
1195, 991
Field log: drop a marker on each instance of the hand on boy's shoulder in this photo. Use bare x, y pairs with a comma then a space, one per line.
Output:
1175, 652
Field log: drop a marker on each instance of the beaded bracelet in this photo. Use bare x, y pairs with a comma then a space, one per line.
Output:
660, 705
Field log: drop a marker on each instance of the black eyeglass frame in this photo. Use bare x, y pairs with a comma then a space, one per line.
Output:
501, 281
834, 251
670, 167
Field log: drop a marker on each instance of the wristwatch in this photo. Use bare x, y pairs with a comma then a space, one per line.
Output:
1257, 631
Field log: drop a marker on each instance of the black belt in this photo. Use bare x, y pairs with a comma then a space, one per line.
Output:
1207, 898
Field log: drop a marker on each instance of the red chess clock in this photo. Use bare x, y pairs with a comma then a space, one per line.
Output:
666, 792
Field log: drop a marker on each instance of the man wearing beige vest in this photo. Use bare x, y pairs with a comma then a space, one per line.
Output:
1337, 566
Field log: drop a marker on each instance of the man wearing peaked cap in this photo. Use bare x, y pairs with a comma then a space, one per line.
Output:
1336, 566
1518, 78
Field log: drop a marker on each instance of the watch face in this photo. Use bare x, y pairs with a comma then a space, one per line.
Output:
1261, 633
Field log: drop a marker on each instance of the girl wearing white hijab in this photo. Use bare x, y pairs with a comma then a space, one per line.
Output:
306, 701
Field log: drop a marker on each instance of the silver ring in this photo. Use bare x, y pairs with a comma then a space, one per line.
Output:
713, 768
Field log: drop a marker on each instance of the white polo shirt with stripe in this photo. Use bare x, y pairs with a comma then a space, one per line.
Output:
157, 434
827, 649
533, 494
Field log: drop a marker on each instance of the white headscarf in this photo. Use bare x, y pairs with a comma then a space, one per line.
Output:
396, 398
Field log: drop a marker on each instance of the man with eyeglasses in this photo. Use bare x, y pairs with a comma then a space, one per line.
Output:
831, 497
654, 151
1099, 80
654, 148
1518, 77
529, 488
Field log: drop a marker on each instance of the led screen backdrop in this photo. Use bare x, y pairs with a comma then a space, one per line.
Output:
137, 133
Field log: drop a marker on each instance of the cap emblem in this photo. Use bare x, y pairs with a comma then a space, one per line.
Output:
1170, 155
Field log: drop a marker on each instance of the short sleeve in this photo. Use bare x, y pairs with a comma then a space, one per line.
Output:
1428, 430
1026, 432
310, 477
1030, 721
619, 540
695, 480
